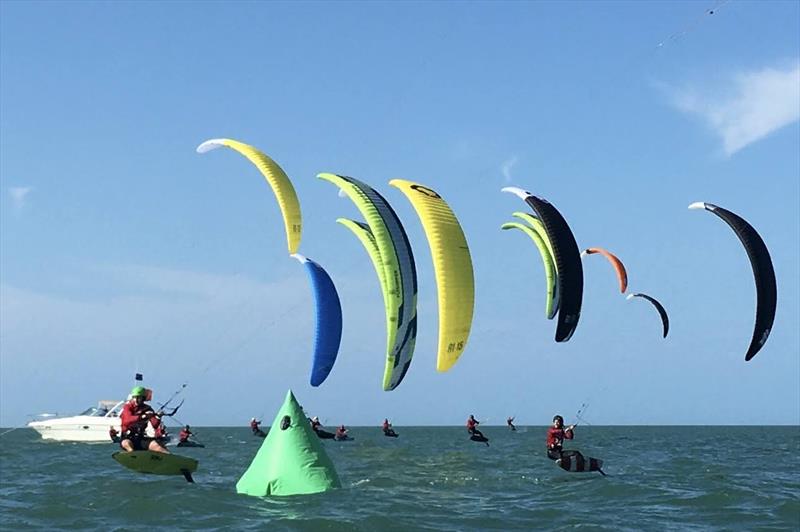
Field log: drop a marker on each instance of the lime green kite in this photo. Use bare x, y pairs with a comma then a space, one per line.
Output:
387, 244
291, 461
535, 230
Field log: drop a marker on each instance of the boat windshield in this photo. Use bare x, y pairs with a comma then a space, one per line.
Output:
95, 412
104, 409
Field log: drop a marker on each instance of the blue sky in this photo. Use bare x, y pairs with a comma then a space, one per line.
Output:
121, 249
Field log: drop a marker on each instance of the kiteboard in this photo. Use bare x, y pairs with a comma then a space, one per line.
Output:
391, 434
482, 439
324, 435
189, 443
575, 462
260, 434
154, 463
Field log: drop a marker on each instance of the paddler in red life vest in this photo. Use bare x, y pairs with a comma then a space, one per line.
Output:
556, 436
472, 426
183, 435
136, 414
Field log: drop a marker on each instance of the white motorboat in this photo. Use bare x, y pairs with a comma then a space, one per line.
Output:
91, 425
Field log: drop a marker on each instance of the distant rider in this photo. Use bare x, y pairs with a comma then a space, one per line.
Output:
254, 423
136, 414
161, 433
341, 433
184, 434
510, 423
315, 424
472, 426
387, 428
556, 436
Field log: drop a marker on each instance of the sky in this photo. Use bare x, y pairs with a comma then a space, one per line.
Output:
122, 250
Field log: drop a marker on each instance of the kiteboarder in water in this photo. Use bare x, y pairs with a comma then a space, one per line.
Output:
474, 433
316, 426
136, 414
341, 433
254, 426
162, 436
556, 436
568, 460
510, 423
183, 435
387, 429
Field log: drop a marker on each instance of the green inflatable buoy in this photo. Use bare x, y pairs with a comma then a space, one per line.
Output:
291, 461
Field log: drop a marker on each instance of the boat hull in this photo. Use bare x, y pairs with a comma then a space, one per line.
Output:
79, 429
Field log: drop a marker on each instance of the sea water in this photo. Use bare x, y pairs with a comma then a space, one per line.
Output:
430, 478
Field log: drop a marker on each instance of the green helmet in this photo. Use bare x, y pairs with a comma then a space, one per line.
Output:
138, 391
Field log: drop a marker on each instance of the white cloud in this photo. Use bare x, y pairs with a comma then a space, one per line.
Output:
19, 196
754, 105
506, 167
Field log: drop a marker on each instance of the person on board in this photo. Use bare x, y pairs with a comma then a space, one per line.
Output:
472, 427
113, 434
254, 425
135, 416
510, 423
184, 434
341, 433
316, 426
556, 436
387, 428
161, 433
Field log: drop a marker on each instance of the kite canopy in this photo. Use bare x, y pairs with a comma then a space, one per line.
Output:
537, 226
452, 265
278, 180
619, 268
291, 461
567, 260
659, 307
329, 320
551, 276
387, 244
763, 273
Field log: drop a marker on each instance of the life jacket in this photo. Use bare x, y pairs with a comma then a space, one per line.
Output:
132, 424
555, 437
